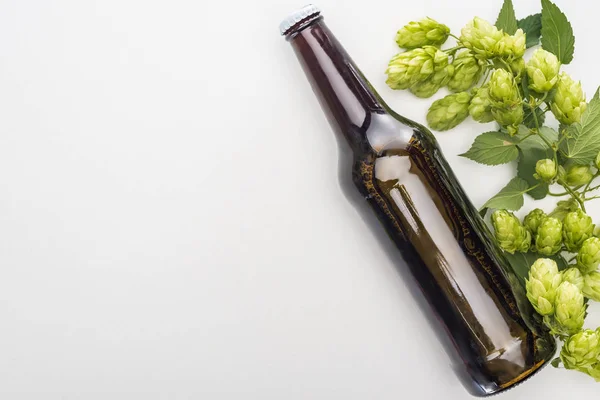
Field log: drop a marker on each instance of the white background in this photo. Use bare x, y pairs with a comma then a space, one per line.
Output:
171, 226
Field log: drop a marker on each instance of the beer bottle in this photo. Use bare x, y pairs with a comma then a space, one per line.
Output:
395, 168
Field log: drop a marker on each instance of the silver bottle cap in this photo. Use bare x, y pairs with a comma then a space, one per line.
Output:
294, 18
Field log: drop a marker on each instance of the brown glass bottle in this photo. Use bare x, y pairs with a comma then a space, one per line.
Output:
394, 167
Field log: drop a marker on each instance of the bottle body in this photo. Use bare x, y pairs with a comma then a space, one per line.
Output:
395, 168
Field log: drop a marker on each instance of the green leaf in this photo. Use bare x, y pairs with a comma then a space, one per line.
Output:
532, 26
583, 139
522, 262
529, 120
557, 33
492, 148
506, 19
510, 197
564, 207
556, 362
532, 150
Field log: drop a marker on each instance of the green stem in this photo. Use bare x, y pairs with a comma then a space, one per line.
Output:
453, 50
454, 36
527, 136
507, 65
574, 195
592, 198
572, 259
593, 188
558, 194
533, 187
587, 187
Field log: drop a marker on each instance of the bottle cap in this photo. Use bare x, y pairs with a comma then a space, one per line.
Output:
303, 13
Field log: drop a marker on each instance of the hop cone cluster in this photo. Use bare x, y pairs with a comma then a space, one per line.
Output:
542, 70
422, 33
467, 71
581, 351
576, 175
548, 240
449, 111
577, 228
511, 235
533, 220
480, 107
588, 257
423, 71
546, 170
568, 103
544, 280
506, 100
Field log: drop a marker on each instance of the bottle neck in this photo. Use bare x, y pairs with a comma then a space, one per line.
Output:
345, 95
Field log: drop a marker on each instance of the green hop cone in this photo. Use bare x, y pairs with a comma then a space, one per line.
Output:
506, 100
577, 228
568, 103
467, 71
510, 118
533, 220
481, 38
430, 86
503, 89
510, 234
542, 70
577, 175
422, 33
545, 170
511, 47
591, 286
480, 108
581, 350
564, 207
574, 276
518, 67
548, 240
414, 66
593, 371
588, 257
569, 308
541, 285
449, 111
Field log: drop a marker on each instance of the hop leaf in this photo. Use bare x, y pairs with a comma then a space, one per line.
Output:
467, 71
548, 240
581, 350
574, 276
449, 111
591, 286
588, 257
569, 308
533, 220
577, 228
568, 103
480, 108
542, 70
422, 33
481, 38
544, 279
545, 170
510, 234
